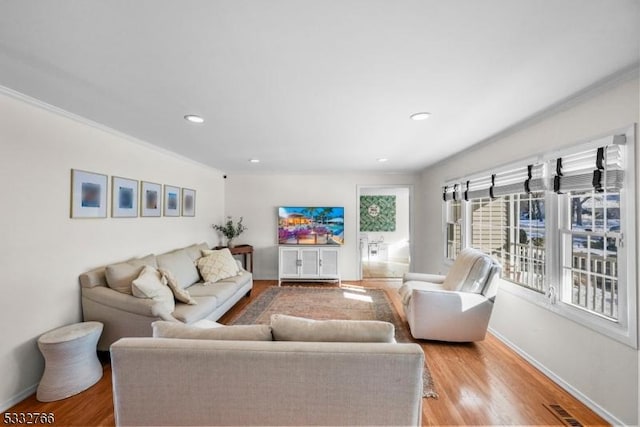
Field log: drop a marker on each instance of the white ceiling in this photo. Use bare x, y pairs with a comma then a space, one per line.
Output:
313, 86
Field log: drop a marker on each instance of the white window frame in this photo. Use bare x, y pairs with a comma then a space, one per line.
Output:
624, 329
446, 222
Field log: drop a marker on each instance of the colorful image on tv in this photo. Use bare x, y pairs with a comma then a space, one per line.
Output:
310, 225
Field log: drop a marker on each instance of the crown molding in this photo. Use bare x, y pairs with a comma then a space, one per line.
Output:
85, 121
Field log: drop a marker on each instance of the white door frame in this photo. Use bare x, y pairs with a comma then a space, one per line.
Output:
359, 188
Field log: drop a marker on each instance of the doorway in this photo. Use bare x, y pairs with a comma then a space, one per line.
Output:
384, 225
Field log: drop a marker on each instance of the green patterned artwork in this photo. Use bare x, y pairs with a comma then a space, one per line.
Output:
377, 213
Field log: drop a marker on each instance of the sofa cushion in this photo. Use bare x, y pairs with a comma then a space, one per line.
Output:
407, 288
463, 272
180, 294
120, 275
291, 328
190, 313
164, 329
221, 290
240, 280
195, 251
181, 266
217, 265
151, 284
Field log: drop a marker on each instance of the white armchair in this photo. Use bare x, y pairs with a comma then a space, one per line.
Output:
455, 307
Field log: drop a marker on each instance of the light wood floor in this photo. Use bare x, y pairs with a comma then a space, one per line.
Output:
483, 383
383, 269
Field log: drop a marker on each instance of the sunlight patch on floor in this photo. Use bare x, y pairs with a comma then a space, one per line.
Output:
364, 298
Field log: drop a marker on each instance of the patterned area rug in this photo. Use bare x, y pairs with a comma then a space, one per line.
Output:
321, 303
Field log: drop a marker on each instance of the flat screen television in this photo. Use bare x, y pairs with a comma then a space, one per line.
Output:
307, 225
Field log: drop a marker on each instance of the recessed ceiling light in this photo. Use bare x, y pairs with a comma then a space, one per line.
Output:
193, 118
254, 160
383, 159
420, 116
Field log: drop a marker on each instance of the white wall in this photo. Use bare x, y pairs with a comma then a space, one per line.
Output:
42, 250
398, 240
604, 371
256, 198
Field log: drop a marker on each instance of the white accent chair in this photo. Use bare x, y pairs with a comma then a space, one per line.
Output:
455, 307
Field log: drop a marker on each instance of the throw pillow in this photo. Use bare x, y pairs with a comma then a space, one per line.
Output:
164, 329
180, 294
218, 265
291, 328
207, 252
119, 276
151, 284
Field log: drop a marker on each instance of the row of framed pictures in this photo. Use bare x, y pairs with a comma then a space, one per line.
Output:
89, 197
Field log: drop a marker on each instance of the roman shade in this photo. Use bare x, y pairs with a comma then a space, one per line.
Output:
451, 191
594, 169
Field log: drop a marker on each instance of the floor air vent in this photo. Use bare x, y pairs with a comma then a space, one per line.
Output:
563, 415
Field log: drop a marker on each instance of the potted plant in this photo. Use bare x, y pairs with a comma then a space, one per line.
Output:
230, 230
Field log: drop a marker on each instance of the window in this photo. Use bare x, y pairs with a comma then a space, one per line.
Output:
590, 255
590, 228
453, 221
559, 228
512, 229
508, 222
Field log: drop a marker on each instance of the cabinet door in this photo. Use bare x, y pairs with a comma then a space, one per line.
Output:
329, 263
289, 262
310, 262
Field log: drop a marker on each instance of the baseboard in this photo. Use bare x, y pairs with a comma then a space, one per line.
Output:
18, 398
609, 417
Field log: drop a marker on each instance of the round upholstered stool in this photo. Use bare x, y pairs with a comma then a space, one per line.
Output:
71, 360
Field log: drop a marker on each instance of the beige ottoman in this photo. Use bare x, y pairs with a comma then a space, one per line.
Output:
71, 360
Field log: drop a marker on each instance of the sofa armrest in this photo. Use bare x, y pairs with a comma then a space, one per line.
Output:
449, 315
117, 300
424, 277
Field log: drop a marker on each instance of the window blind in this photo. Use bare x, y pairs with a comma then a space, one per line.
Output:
478, 188
535, 178
451, 192
596, 168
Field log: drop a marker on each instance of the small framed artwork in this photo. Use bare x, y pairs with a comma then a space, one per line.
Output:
124, 197
171, 201
88, 194
188, 202
150, 199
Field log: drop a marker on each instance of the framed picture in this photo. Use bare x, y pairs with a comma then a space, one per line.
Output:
124, 197
150, 199
188, 202
88, 194
171, 201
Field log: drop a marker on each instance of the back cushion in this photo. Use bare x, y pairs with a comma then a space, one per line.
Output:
181, 266
477, 277
164, 329
291, 328
195, 251
119, 276
461, 268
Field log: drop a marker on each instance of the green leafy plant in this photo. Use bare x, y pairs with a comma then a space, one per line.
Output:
229, 229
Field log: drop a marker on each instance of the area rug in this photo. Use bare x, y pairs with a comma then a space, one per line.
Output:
320, 303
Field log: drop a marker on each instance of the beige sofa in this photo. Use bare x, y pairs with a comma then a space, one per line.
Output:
125, 315
173, 381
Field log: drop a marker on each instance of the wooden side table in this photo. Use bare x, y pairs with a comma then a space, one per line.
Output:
243, 250
71, 360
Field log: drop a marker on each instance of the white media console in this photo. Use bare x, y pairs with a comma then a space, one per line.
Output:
308, 263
